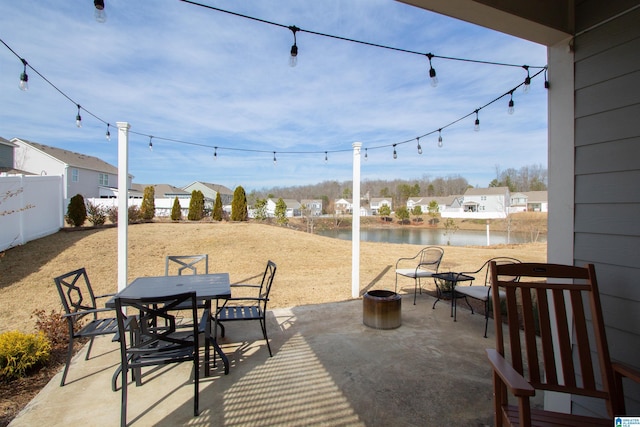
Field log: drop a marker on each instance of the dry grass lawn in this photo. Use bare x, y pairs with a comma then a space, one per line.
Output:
311, 269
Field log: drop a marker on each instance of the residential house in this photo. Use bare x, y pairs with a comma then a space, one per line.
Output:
518, 202
293, 207
443, 203
312, 206
82, 174
343, 206
164, 197
375, 203
492, 202
209, 191
537, 201
593, 140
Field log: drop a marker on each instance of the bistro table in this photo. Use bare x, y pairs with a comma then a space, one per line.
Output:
449, 280
206, 286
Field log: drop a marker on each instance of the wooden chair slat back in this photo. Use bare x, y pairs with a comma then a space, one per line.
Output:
554, 304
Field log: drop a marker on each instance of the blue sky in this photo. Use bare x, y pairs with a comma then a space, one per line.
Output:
185, 73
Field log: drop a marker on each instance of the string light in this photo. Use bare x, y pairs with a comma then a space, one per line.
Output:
293, 59
419, 147
108, 134
395, 154
429, 56
546, 81
215, 153
78, 118
99, 13
476, 126
511, 108
366, 155
432, 71
24, 78
275, 161
527, 80
326, 157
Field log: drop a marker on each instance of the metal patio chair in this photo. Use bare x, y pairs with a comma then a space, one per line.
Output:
145, 344
79, 304
248, 308
423, 265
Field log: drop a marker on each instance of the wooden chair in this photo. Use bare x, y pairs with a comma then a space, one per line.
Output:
423, 265
482, 292
248, 307
579, 366
79, 302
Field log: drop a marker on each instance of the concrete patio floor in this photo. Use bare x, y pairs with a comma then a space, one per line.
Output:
327, 369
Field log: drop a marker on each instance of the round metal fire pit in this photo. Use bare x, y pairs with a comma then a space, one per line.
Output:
381, 309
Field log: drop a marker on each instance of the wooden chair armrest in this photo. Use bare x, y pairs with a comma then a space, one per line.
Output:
626, 371
516, 382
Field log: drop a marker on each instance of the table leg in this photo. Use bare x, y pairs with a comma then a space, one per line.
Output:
216, 347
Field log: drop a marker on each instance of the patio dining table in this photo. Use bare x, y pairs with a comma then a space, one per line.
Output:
207, 288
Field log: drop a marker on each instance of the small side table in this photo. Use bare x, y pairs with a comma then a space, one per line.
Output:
446, 286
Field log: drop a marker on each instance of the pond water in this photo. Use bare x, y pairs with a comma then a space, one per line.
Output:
429, 236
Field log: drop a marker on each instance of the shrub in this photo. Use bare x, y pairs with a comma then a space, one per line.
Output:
239, 205
76, 211
217, 209
112, 213
96, 214
148, 207
176, 211
54, 326
196, 206
19, 352
134, 214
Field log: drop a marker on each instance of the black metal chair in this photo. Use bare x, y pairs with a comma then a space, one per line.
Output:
144, 343
250, 307
79, 301
483, 292
423, 265
186, 262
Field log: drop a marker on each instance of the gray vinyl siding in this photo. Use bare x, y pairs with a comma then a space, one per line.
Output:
607, 174
6, 156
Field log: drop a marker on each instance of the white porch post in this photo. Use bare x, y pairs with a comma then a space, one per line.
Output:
123, 201
355, 229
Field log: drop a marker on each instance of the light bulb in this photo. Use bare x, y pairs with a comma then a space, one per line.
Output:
476, 126
99, 13
419, 147
439, 139
511, 108
293, 59
215, 153
395, 154
326, 157
150, 143
275, 162
108, 134
527, 85
24, 81
434, 78
366, 155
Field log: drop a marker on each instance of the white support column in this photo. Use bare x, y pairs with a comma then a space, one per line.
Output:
123, 201
355, 229
488, 234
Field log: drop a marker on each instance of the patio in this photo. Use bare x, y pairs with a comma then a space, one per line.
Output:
328, 369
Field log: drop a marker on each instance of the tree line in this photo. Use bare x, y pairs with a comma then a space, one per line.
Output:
527, 178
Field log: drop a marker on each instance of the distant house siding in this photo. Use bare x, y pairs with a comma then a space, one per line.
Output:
607, 172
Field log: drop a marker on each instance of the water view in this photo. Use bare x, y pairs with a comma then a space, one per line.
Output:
428, 236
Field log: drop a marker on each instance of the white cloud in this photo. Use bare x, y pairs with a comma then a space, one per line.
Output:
186, 73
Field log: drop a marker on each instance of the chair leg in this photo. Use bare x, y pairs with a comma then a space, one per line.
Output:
89, 349
123, 400
66, 366
263, 325
196, 381
486, 317
415, 291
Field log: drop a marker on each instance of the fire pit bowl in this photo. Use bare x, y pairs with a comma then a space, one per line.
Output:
381, 309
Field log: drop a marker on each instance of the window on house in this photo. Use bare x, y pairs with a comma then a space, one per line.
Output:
483, 198
103, 179
75, 175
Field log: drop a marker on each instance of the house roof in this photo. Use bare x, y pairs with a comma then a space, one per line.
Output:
6, 142
72, 158
161, 190
486, 191
536, 196
215, 187
425, 200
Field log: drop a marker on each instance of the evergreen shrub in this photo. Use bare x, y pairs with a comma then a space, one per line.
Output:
20, 352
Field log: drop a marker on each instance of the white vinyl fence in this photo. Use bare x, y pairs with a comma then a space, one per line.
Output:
30, 208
